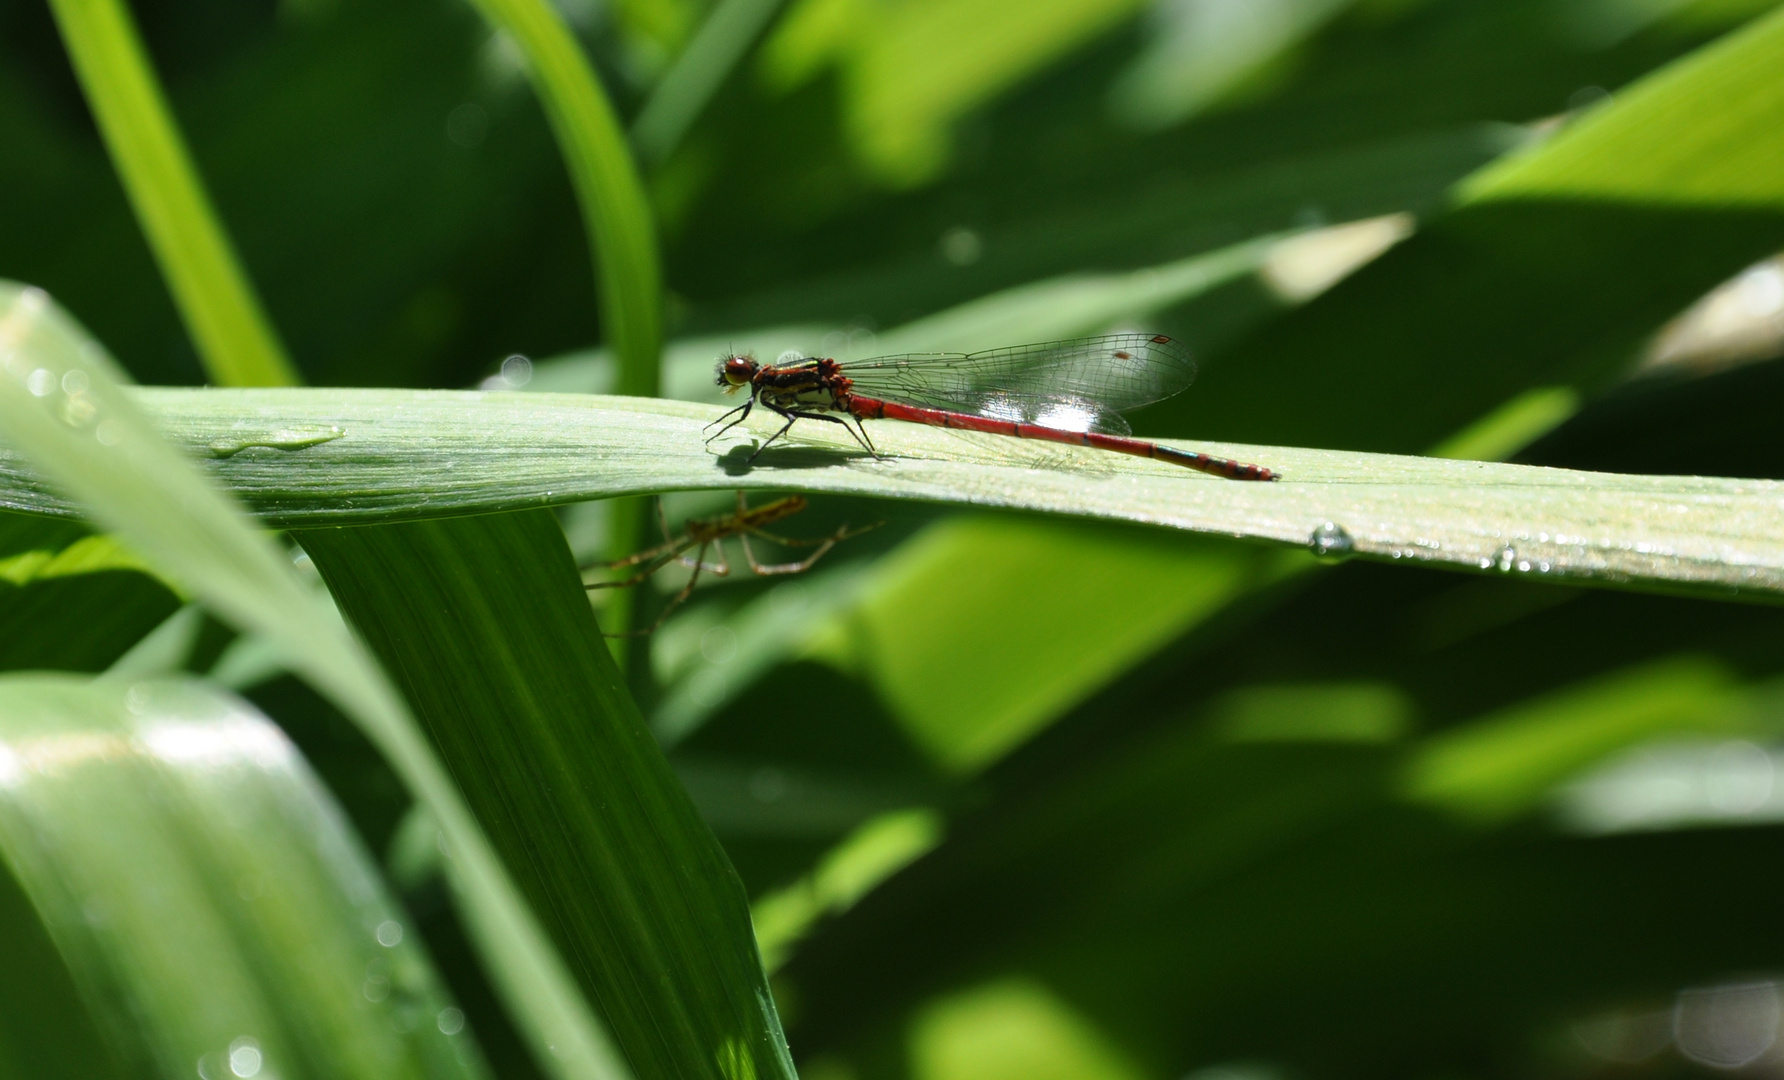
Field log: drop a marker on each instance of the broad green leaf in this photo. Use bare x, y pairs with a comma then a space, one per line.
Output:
216, 299
487, 621
62, 404
207, 897
413, 454
1549, 268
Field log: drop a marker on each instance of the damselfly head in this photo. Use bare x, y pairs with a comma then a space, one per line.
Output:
736, 371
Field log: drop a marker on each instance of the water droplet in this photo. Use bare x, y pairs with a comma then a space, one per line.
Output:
40, 382
1507, 558
244, 1057
450, 1021
718, 645
79, 410
283, 439
390, 933
1330, 541
961, 246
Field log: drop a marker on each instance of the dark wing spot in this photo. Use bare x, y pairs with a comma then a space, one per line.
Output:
1160, 339
1124, 356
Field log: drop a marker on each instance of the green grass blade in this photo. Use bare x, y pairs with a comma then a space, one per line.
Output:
614, 209
697, 74
414, 454
235, 339
622, 236
487, 620
266, 942
61, 405
1701, 131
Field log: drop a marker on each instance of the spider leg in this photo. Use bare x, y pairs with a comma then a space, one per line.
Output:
824, 545
657, 557
841, 534
766, 569
721, 568
674, 602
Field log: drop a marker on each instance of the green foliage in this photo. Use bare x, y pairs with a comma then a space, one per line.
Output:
210, 903
484, 617
237, 344
60, 399
1454, 752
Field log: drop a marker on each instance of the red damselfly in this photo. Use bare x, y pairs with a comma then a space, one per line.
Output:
701, 534
1061, 391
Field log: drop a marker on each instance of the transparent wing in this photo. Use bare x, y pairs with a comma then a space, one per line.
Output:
1078, 385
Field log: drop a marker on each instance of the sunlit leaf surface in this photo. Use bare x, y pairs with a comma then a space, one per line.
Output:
204, 892
405, 454
61, 401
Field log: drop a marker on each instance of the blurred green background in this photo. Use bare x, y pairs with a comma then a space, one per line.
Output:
1026, 798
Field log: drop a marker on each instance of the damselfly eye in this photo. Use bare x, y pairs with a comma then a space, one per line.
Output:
736, 371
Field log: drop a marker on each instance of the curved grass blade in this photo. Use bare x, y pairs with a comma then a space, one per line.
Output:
487, 621
61, 405
234, 337
614, 210
416, 454
723, 38
206, 895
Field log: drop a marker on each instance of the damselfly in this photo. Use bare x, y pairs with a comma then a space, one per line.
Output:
1062, 391
701, 534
